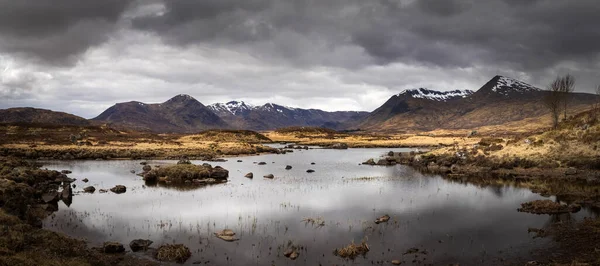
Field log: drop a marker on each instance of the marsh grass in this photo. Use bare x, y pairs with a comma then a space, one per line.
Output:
352, 250
173, 253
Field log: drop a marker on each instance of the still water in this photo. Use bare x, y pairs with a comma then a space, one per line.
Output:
453, 222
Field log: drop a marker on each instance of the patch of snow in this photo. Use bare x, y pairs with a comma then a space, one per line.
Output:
423, 93
505, 85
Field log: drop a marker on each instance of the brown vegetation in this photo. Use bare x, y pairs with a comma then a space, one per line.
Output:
173, 253
353, 250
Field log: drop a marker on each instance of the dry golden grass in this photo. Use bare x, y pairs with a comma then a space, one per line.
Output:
174, 253
369, 140
353, 250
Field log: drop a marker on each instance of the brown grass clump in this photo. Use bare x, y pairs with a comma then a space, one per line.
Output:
353, 250
547, 207
177, 253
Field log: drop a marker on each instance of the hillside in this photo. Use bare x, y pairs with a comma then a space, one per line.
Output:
501, 100
241, 115
28, 115
180, 114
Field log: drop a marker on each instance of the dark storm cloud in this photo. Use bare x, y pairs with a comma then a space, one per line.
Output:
55, 31
530, 36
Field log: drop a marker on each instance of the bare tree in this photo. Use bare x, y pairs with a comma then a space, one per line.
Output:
553, 100
567, 86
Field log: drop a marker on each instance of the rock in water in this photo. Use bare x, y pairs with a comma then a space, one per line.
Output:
85, 180
50, 197
249, 175
227, 235
140, 244
89, 189
270, 176
288, 167
310, 171
119, 189
382, 219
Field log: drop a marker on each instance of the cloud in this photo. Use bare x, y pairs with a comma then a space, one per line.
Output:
56, 32
83, 56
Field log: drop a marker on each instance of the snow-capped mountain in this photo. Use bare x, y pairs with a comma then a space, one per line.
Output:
232, 107
433, 95
500, 100
239, 114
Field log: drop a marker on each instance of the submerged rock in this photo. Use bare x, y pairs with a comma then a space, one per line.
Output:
119, 189
113, 247
140, 244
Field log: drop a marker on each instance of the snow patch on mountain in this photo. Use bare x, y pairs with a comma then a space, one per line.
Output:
423, 93
232, 107
506, 85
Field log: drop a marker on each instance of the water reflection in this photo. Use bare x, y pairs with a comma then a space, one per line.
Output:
454, 222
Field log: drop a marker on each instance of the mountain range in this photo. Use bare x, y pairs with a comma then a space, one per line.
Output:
501, 100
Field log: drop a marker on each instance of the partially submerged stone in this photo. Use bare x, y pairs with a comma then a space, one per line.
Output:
370, 162
140, 244
396, 262
227, 235
270, 176
119, 189
382, 219
310, 171
249, 175
288, 167
89, 189
50, 197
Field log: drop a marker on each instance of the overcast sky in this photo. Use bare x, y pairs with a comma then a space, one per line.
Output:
82, 56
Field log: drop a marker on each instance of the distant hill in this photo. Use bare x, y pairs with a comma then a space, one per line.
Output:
241, 115
180, 114
500, 100
28, 115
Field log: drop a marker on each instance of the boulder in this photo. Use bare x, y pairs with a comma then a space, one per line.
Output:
262, 163
66, 172
146, 168
113, 247
310, 171
288, 167
383, 162
50, 197
270, 176
340, 146
249, 175
219, 173
89, 189
85, 180
227, 235
67, 192
382, 219
119, 189
140, 244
